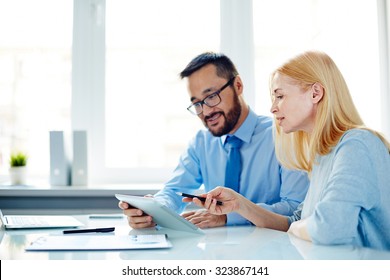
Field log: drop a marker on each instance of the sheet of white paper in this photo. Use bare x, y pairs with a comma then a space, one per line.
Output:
99, 242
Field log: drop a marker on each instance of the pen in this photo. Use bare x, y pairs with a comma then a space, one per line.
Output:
89, 230
198, 197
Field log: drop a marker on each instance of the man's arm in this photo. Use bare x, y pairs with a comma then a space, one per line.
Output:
293, 189
186, 178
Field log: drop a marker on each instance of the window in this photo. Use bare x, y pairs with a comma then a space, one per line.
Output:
322, 24
148, 43
35, 78
135, 108
111, 68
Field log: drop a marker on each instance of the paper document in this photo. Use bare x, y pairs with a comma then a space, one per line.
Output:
99, 242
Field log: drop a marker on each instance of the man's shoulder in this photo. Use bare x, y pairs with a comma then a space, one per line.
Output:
204, 135
266, 120
263, 123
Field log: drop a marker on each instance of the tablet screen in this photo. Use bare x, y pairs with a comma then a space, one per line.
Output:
162, 215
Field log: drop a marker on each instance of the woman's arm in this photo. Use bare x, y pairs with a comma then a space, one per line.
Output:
299, 229
234, 202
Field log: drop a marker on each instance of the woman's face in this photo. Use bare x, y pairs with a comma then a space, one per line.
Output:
294, 108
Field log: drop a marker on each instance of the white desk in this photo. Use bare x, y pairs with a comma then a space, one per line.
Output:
230, 243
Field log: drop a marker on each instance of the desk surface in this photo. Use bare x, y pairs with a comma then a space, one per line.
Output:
231, 243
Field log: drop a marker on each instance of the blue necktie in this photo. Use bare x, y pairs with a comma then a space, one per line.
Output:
233, 164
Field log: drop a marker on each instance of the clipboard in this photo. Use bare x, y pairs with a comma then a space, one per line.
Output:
99, 242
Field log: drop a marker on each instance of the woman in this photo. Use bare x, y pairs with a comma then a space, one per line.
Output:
318, 130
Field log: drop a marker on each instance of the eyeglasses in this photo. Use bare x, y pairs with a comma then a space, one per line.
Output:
211, 101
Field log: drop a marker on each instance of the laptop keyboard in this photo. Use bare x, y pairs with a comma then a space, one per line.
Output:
28, 221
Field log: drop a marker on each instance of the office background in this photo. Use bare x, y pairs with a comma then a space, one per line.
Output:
110, 67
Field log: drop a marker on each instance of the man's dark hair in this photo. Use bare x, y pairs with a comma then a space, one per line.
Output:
225, 67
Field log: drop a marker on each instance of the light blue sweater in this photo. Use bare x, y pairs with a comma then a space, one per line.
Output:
348, 201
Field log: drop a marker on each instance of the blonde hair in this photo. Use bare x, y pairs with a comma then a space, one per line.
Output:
336, 112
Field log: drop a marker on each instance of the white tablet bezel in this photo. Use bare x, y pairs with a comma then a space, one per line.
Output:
162, 215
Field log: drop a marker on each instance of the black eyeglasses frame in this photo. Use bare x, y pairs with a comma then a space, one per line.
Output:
199, 104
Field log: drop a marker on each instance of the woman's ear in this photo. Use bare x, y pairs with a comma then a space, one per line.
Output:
317, 91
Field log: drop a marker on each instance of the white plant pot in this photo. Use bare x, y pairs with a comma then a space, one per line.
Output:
18, 175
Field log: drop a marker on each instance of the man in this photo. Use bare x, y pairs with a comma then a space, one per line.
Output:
216, 94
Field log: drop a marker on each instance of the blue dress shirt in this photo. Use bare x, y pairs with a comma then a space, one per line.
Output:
263, 180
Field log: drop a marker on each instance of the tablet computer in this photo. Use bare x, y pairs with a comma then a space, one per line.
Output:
162, 215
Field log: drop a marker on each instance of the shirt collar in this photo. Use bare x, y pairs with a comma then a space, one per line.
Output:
245, 131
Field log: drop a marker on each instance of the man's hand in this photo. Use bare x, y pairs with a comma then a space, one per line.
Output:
136, 217
203, 219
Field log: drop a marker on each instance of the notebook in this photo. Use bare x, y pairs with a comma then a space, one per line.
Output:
38, 221
99, 242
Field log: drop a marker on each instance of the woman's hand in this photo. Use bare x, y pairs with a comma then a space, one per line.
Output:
229, 198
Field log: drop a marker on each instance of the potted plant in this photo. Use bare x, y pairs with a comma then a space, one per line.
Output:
18, 169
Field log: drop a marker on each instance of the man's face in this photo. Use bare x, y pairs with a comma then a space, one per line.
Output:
222, 118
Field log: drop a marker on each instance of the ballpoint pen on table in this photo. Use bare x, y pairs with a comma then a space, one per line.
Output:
109, 229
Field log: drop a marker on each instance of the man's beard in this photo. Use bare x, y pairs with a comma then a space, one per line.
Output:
231, 119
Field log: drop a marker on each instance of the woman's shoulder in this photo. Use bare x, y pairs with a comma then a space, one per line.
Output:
361, 137
359, 133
